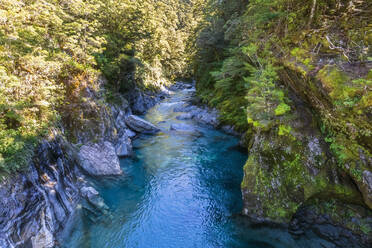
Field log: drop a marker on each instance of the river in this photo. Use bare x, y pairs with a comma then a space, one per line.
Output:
181, 190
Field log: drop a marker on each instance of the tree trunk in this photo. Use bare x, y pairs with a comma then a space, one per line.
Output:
312, 14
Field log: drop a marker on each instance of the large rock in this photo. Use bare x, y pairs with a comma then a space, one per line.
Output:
141, 101
366, 187
124, 147
287, 169
140, 125
185, 108
206, 116
129, 133
120, 121
100, 159
202, 115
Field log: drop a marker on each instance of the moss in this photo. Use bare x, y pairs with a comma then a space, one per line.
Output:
282, 109
334, 80
284, 130
302, 56
351, 216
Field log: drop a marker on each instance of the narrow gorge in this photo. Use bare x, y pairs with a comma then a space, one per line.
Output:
174, 123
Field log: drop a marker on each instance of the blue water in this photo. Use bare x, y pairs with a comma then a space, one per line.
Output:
180, 191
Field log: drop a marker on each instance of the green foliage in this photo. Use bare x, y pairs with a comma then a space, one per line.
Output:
282, 109
284, 130
316, 50
52, 54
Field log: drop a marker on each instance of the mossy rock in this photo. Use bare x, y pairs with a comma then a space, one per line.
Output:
285, 170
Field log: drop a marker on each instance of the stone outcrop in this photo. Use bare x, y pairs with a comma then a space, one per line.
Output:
35, 205
140, 125
202, 115
100, 159
124, 146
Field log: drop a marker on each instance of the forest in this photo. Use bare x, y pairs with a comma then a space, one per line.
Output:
53, 51
292, 78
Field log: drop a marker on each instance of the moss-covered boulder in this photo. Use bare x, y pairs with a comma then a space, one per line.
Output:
290, 164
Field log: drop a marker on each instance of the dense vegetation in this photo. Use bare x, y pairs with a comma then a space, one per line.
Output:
53, 55
274, 68
269, 63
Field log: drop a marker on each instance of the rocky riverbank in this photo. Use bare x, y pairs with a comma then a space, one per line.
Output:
294, 174
36, 204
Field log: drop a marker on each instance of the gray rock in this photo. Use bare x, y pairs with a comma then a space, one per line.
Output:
129, 133
183, 128
141, 101
88, 192
181, 86
184, 109
140, 125
124, 147
100, 159
35, 205
120, 121
206, 116
185, 116
93, 197
366, 187
44, 238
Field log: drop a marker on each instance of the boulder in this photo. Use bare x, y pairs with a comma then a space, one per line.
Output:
185, 116
124, 147
230, 130
141, 101
366, 187
120, 121
206, 116
129, 133
100, 159
140, 125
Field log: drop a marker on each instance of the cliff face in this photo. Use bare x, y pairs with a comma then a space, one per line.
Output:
296, 79
36, 204
292, 171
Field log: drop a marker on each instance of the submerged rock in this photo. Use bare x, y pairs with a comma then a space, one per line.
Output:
140, 125
182, 127
230, 130
184, 109
93, 197
100, 159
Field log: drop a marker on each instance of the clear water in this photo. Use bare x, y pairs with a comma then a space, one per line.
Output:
182, 190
